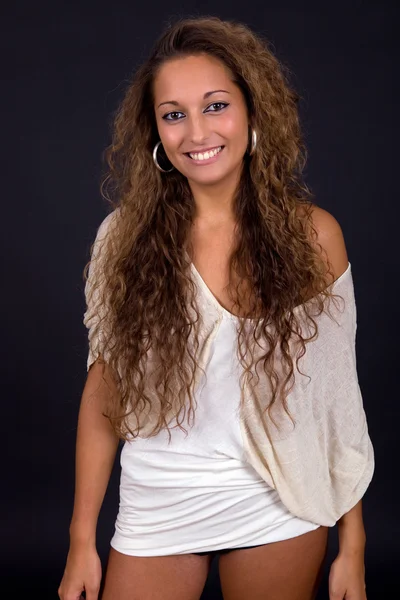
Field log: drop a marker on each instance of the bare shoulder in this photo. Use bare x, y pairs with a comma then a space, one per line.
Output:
330, 237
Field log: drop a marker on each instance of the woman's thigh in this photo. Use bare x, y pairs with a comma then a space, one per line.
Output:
174, 577
287, 570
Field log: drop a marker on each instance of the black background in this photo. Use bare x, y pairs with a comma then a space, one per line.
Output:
64, 71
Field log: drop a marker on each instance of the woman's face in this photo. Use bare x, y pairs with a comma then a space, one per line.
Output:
198, 108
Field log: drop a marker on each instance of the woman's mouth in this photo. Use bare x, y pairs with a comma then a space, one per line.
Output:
205, 158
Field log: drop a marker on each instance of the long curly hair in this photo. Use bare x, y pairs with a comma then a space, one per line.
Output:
150, 319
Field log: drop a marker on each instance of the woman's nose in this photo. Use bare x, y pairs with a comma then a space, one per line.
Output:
198, 129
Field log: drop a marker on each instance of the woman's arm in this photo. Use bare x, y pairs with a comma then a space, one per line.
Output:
352, 537
347, 572
96, 447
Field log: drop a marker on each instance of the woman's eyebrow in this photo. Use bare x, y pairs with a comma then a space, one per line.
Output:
206, 95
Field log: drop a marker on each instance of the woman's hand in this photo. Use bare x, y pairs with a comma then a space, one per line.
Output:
82, 573
347, 577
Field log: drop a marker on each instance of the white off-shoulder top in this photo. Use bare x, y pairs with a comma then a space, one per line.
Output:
321, 467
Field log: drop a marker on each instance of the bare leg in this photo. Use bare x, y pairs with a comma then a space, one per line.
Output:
287, 570
174, 577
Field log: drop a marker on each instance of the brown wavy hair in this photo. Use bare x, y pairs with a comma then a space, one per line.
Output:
150, 319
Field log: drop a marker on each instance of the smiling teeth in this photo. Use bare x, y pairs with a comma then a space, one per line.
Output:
209, 154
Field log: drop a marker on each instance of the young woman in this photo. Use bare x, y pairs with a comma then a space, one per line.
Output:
221, 320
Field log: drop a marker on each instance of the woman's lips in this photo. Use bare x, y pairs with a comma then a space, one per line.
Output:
205, 161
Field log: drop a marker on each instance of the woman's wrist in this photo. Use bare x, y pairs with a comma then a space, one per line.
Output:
352, 544
82, 533
352, 539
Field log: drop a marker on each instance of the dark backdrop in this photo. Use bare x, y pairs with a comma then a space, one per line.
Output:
63, 74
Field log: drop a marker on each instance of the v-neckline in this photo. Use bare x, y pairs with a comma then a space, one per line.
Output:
226, 312
213, 298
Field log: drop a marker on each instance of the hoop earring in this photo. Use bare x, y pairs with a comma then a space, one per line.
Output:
156, 161
253, 142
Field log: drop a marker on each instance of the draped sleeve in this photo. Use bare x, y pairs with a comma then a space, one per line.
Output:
95, 314
321, 467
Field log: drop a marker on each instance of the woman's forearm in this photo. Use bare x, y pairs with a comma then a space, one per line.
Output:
351, 531
96, 447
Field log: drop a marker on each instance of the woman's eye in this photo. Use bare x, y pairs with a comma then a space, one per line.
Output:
223, 104
171, 113
170, 116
